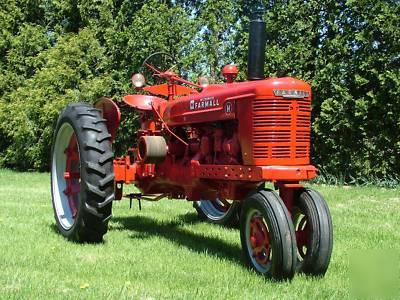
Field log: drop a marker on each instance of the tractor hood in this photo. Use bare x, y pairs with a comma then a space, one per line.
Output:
222, 101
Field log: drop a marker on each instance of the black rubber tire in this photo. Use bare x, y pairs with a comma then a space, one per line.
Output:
230, 218
280, 226
319, 246
96, 173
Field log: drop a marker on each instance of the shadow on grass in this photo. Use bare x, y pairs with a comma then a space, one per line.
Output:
54, 228
190, 218
193, 218
144, 227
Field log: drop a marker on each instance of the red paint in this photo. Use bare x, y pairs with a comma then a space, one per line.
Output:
230, 73
259, 240
72, 175
224, 139
163, 90
111, 113
143, 102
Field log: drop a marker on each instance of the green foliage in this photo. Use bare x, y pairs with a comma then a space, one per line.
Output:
357, 86
55, 52
72, 71
349, 52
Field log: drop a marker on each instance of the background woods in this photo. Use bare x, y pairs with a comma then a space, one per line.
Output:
57, 51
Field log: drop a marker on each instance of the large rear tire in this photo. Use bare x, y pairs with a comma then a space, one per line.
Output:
267, 235
314, 232
82, 176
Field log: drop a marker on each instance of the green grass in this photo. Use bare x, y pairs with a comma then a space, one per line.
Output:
163, 251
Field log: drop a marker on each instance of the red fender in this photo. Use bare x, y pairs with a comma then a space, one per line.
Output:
143, 102
111, 113
162, 89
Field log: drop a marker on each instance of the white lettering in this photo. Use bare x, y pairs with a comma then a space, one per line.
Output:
203, 103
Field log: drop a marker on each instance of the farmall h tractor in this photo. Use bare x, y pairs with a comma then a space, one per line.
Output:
215, 145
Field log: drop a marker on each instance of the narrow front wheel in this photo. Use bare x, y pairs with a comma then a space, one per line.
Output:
313, 226
267, 235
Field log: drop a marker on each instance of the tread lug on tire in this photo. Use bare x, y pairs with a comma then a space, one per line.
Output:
267, 235
314, 232
82, 174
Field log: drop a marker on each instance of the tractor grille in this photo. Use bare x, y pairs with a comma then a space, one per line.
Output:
281, 129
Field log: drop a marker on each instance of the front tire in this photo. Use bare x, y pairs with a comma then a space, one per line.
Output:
267, 235
314, 233
82, 177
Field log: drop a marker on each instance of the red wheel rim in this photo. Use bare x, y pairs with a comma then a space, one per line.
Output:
302, 235
259, 240
72, 175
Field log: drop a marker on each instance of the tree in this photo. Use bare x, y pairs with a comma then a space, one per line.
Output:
55, 52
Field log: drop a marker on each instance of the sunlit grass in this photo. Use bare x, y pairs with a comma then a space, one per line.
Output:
163, 251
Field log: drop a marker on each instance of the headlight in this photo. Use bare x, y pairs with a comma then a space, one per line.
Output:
138, 80
203, 81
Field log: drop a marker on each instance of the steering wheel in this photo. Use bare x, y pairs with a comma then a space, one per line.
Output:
158, 63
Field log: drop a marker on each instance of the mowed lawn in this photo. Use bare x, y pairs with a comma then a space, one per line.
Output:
165, 252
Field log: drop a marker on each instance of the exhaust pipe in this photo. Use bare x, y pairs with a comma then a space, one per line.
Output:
256, 51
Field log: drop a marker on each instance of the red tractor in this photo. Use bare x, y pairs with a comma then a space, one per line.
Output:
213, 144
